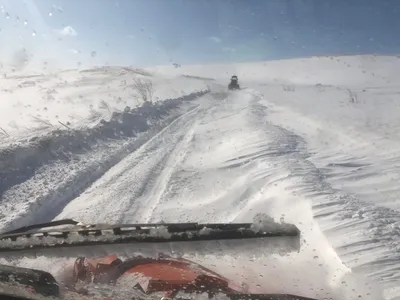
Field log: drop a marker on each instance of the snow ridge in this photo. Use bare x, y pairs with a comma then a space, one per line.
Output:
55, 168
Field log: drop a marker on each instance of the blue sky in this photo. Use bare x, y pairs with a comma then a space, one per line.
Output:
150, 32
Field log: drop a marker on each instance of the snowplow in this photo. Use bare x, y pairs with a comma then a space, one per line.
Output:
139, 261
234, 83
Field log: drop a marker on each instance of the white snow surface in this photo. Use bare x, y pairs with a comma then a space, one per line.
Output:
313, 141
37, 103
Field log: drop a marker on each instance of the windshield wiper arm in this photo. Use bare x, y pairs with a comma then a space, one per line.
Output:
41, 225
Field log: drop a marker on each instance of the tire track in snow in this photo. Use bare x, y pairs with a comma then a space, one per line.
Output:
175, 158
121, 195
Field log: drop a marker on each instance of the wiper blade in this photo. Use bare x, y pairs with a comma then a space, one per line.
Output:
101, 234
41, 226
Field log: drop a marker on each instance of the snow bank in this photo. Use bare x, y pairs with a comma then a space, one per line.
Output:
35, 104
51, 169
352, 136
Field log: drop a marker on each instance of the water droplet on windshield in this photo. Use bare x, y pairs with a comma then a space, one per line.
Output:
282, 219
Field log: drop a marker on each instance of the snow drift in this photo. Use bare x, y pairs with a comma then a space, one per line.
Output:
344, 110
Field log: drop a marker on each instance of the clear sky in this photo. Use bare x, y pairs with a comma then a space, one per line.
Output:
150, 32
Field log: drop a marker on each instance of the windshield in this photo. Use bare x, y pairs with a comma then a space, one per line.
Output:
209, 111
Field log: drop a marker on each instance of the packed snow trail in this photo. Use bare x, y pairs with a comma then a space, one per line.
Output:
121, 195
219, 158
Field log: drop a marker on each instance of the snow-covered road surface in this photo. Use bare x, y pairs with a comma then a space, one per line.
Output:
219, 161
223, 161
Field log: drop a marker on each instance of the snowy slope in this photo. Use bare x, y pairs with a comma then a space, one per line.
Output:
313, 141
34, 104
46, 161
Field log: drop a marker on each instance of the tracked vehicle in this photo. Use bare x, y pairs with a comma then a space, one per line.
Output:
234, 83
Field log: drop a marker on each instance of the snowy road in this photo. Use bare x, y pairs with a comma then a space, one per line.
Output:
226, 157
227, 160
220, 162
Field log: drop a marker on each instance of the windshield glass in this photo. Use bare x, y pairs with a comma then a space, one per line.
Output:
209, 111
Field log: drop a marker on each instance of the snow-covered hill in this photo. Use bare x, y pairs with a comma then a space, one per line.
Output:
364, 70
35, 104
314, 141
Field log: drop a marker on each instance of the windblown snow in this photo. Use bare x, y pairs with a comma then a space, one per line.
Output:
314, 142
